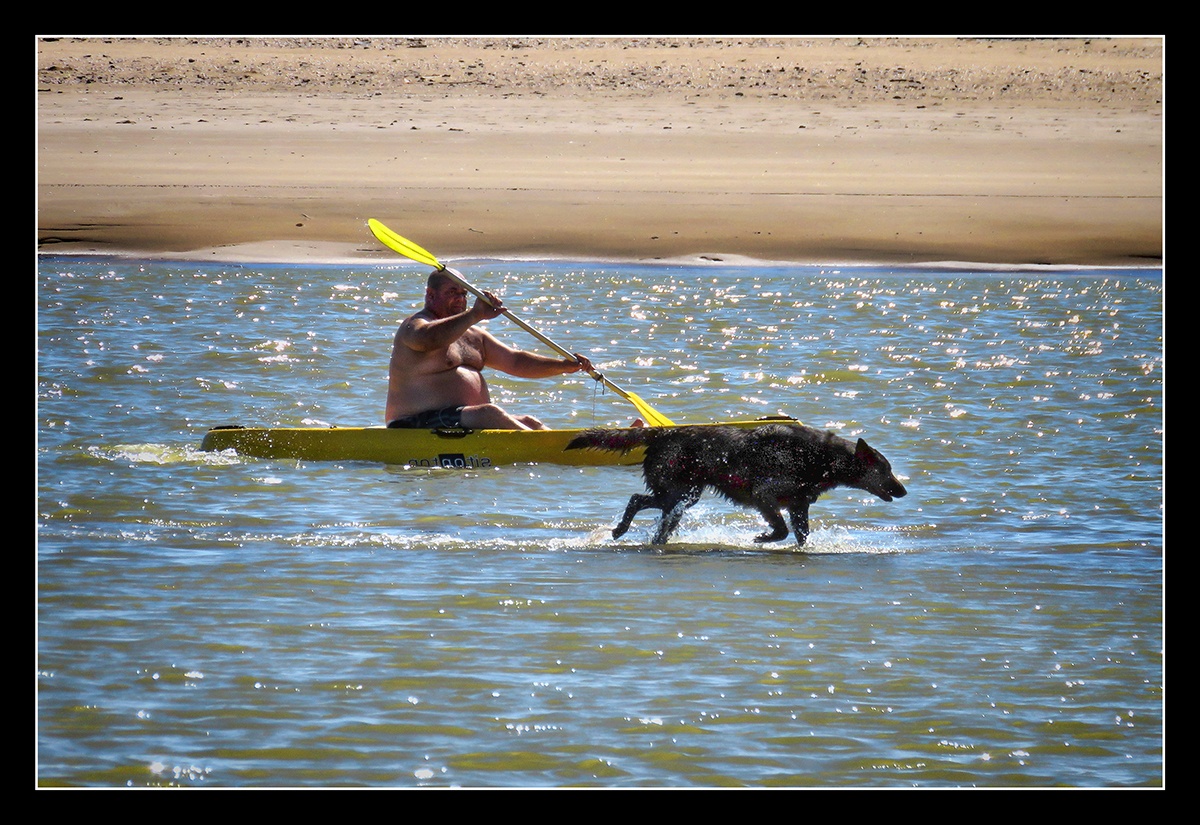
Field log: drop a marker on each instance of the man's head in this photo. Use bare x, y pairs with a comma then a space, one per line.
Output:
437, 279
443, 295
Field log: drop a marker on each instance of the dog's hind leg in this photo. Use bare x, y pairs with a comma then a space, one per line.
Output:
637, 503
672, 513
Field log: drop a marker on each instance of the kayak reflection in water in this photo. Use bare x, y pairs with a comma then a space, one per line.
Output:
435, 377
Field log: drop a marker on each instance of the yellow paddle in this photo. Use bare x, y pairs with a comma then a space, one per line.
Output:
410, 250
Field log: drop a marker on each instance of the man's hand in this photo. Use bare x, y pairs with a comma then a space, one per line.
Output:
485, 310
581, 362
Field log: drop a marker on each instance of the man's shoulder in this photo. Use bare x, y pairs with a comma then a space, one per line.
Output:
416, 317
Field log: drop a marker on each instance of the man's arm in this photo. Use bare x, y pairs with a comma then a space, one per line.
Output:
425, 335
522, 364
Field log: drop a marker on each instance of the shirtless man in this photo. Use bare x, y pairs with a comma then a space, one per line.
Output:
435, 378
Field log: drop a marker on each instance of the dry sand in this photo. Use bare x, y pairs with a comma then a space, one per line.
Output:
829, 150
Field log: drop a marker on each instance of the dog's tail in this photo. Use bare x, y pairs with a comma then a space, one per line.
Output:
612, 440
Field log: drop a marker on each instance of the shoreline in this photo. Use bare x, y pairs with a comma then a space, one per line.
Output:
1021, 152
272, 255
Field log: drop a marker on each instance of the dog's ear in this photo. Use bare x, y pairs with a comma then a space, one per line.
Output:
865, 453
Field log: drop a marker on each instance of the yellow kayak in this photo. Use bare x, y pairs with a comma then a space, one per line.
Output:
449, 448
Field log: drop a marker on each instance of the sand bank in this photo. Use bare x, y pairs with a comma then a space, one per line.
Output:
896, 150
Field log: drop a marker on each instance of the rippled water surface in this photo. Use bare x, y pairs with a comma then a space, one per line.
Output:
211, 621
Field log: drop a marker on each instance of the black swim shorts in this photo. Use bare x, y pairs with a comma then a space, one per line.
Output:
448, 417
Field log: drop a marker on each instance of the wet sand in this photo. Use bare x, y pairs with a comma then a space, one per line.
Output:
828, 150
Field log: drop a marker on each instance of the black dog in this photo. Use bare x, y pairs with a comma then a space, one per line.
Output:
770, 468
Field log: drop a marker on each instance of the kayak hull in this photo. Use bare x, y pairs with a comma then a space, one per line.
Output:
450, 449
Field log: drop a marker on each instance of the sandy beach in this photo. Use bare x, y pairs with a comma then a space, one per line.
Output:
1006, 151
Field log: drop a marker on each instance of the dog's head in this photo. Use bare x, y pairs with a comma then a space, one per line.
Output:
877, 477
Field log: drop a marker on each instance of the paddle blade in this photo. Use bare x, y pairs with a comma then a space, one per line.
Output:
652, 416
402, 245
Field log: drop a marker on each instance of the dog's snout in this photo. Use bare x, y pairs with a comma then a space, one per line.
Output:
891, 488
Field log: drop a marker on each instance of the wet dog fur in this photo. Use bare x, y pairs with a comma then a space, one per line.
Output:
771, 468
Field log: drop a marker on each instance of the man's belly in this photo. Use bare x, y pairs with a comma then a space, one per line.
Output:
452, 388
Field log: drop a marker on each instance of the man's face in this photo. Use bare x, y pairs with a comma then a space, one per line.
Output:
447, 299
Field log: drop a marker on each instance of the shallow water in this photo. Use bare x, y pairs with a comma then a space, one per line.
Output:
207, 620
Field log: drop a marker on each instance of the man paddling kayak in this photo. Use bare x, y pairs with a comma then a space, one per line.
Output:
435, 377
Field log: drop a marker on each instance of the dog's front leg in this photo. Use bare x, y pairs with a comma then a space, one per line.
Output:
775, 522
799, 514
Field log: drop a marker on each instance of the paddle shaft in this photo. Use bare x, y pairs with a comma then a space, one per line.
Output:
461, 281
